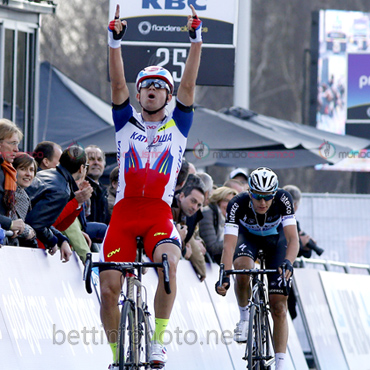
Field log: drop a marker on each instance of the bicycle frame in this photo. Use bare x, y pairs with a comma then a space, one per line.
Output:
134, 323
259, 349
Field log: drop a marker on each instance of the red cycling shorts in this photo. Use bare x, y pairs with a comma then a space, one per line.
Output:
132, 217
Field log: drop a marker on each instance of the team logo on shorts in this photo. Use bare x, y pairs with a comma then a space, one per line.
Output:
110, 254
157, 234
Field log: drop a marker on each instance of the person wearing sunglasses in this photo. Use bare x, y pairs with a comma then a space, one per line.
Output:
151, 144
253, 222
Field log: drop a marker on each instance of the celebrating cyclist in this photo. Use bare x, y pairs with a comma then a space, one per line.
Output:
150, 148
253, 221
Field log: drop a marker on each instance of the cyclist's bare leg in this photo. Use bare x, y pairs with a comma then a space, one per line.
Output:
242, 286
279, 309
110, 288
163, 302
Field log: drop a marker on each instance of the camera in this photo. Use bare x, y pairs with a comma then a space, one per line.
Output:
312, 245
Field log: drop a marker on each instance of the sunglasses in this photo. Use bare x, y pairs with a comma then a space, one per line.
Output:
266, 197
157, 83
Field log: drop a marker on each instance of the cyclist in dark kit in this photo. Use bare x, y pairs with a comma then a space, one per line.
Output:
253, 222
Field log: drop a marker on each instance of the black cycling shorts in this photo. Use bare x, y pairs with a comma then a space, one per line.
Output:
274, 248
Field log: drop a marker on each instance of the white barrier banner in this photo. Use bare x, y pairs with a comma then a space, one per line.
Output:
326, 346
349, 302
47, 319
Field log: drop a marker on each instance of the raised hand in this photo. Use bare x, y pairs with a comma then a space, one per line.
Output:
194, 26
117, 28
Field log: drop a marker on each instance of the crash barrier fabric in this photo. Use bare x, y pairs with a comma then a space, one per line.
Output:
336, 314
48, 321
339, 223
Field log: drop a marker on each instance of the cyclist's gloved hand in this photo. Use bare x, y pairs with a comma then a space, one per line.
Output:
287, 265
195, 27
225, 279
114, 37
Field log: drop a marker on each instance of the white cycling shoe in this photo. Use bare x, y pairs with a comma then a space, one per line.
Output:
158, 356
241, 331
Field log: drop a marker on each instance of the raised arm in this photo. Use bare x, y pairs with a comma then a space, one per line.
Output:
186, 89
119, 88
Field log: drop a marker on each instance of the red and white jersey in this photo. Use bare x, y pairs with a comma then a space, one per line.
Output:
150, 153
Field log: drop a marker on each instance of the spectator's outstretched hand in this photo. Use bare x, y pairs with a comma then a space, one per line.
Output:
17, 226
53, 250
65, 252
84, 193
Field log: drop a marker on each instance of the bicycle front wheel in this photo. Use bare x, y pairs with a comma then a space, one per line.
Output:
126, 338
144, 336
254, 349
267, 340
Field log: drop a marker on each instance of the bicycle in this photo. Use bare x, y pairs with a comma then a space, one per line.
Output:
259, 352
134, 332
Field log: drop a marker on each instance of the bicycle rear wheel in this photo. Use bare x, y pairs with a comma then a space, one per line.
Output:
126, 338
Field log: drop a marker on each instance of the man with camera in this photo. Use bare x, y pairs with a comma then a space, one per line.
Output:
306, 244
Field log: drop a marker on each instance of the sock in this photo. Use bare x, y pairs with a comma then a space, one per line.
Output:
280, 361
160, 327
113, 347
244, 313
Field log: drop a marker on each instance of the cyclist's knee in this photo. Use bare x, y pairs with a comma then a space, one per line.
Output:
110, 290
173, 253
279, 307
241, 263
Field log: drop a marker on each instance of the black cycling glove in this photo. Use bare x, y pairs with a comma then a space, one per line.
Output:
225, 279
287, 265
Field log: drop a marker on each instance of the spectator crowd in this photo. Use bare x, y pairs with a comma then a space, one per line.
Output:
54, 199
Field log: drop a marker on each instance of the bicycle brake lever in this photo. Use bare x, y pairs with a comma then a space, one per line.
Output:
221, 275
166, 273
285, 285
87, 273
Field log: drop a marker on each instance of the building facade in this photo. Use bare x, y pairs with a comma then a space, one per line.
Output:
20, 22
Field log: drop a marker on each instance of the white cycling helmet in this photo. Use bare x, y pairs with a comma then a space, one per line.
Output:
263, 180
155, 72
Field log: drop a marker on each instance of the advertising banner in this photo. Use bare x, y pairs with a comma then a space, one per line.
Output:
165, 20
157, 34
339, 32
358, 85
349, 302
326, 348
212, 69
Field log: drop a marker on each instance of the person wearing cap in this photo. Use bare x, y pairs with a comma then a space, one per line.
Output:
150, 149
240, 175
254, 220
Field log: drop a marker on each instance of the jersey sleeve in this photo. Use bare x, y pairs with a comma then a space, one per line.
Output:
121, 114
231, 221
183, 116
286, 208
